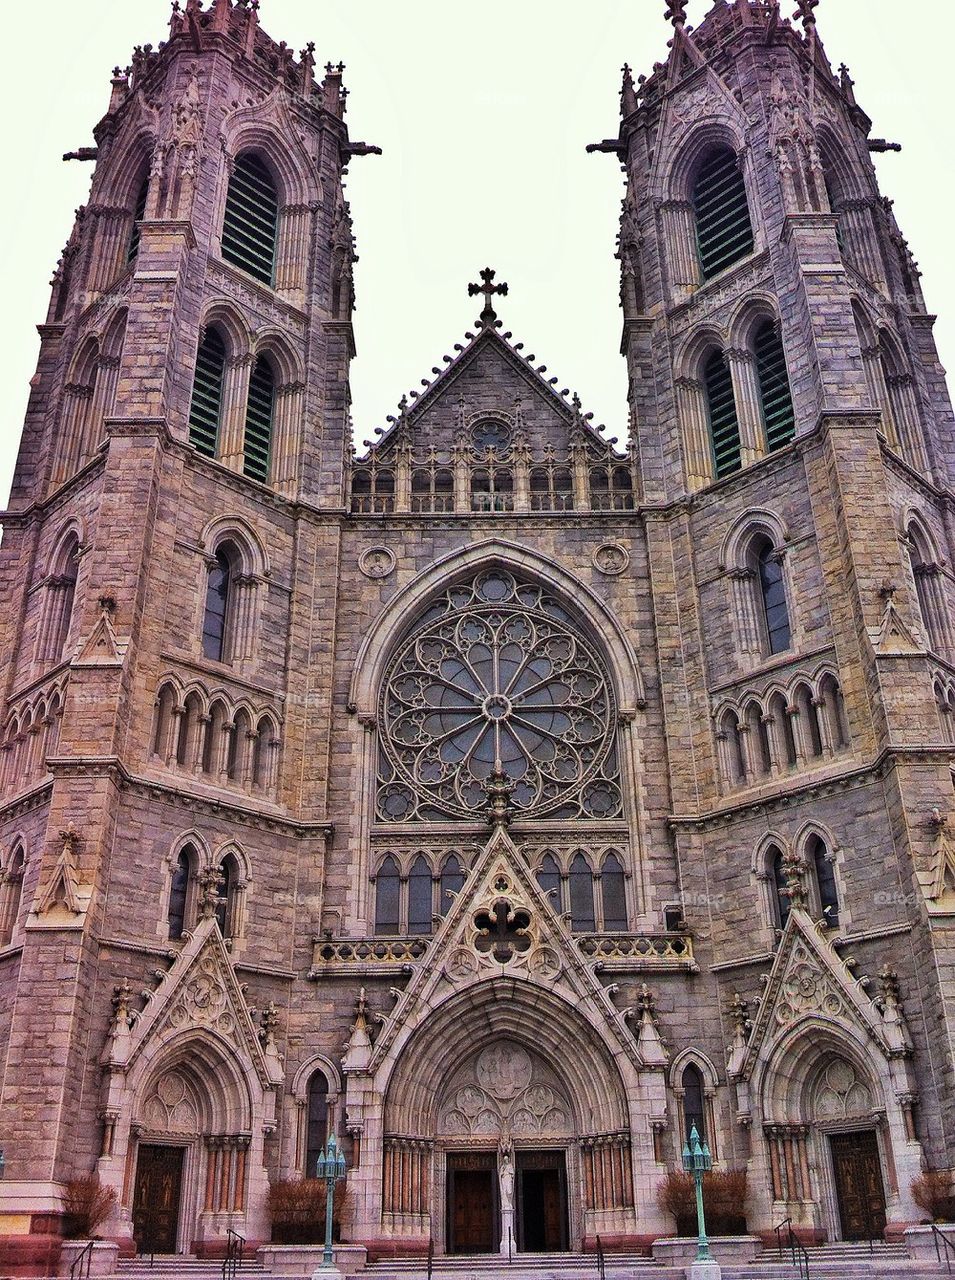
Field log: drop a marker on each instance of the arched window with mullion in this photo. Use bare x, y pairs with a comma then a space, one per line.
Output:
260, 410
581, 881
721, 413
205, 411
139, 213
694, 1102
250, 227
779, 417
724, 229
216, 620
766, 564
825, 881
613, 895
781, 901
548, 877
179, 892
316, 1133
420, 897
452, 882
387, 899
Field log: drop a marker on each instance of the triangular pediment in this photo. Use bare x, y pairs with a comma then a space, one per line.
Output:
810, 979
502, 925
200, 992
701, 95
893, 635
101, 648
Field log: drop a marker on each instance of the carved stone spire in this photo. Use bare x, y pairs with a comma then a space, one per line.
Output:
794, 870
676, 13
804, 12
628, 94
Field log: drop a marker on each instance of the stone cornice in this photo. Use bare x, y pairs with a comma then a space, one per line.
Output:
812, 788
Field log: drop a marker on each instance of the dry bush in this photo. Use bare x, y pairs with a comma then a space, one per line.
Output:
724, 1197
87, 1206
297, 1210
932, 1192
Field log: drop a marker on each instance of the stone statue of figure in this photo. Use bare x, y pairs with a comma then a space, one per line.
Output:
506, 1175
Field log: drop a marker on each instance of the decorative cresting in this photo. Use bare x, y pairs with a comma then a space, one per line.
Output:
497, 676
505, 1091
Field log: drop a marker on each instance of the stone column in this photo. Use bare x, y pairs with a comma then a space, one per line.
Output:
749, 411
691, 409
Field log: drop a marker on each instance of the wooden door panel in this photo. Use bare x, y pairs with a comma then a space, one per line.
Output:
157, 1198
472, 1210
859, 1188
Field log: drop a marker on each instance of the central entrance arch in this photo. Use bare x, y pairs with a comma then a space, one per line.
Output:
505, 1113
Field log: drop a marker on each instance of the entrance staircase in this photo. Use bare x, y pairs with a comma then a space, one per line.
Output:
827, 1262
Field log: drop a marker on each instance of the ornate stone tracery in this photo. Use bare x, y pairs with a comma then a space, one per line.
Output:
497, 675
505, 1091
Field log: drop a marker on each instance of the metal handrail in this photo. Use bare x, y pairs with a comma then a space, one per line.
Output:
601, 1260
232, 1261
799, 1254
80, 1269
430, 1257
949, 1247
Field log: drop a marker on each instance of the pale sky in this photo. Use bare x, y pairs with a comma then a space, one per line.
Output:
483, 111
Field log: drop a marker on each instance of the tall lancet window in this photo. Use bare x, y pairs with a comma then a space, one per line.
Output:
257, 450
721, 410
724, 230
250, 229
205, 411
779, 418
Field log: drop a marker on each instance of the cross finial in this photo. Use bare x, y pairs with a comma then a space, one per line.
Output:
805, 12
676, 12
489, 289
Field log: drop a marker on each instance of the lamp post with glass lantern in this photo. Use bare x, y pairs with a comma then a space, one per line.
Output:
330, 1166
698, 1161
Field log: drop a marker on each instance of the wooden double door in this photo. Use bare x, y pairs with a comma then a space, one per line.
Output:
158, 1198
860, 1191
474, 1213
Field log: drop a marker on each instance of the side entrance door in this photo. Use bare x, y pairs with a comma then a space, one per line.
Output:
859, 1187
472, 1203
156, 1203
541, 1202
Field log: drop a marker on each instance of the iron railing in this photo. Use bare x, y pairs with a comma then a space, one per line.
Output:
601, 1260
798, 1253
80, 1269
949, 1247
430, 1257
232, 1262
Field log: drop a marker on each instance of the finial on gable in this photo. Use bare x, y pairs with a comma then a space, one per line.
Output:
489, 289
676, 13
804, 12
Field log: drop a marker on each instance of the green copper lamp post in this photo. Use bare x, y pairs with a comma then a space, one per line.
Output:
330, 1165
697, 1160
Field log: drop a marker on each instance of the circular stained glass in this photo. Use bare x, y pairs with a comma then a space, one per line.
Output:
491, 434
495, 673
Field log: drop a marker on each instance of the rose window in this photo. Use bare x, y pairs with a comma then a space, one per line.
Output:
497, 672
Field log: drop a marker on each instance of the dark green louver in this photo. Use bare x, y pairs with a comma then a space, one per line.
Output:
721, 406
258, 422
778, 414
724, 231
207, 395
251, 219
138, 214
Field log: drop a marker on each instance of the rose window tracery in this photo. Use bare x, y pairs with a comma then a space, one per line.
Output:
497, 671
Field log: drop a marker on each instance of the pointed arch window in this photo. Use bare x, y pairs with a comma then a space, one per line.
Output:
767, 566
205, 412
387, 898
182, 874
66, 595
724, 229
781, 900
613, 895
581, 883
452, 881
779, 417
420, 897
825, 873
250, 228
694, 1102
260, 411
317, 1123
11, 892
219, 594
139, 213
227, 896
721, 413
548, 877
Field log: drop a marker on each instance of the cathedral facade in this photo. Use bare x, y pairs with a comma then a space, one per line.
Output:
498, 799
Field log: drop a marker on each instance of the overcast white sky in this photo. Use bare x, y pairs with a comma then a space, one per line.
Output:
483, 111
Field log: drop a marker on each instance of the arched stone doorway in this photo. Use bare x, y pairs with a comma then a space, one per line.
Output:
188, 1161
506, 1099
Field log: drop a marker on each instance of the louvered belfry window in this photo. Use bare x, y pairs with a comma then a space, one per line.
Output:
778, 414
250, 229
258, 421
206, 405
724, 231
139, 213
721, 407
